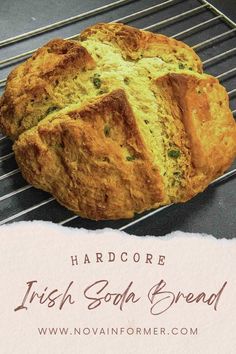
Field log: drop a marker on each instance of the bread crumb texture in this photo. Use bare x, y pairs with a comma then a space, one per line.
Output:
117, 122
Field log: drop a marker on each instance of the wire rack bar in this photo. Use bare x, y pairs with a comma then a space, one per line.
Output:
222, 178
11, 194
199, 45
145, 217
218, 12
173, 18
64, 22
205, 4
9, 174
11, 154
226, 73
218, 56
19, 56
232, 92
6, 157
155, 25
194, 27
128, 17
25, 211
27, 186
13, 172
145, 11
68, 220
134, 15
3, 82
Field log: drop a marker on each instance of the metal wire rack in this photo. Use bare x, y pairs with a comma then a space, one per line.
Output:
197, 22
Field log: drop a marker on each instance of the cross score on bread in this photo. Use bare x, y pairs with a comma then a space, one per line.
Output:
117, 122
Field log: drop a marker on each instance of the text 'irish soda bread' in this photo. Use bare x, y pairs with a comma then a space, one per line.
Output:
117, 122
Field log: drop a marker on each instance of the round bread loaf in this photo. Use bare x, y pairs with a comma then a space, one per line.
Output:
117, 121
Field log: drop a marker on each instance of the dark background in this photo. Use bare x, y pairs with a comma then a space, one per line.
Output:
226, 6
210, 212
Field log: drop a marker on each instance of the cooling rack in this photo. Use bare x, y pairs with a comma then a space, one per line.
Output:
198, 23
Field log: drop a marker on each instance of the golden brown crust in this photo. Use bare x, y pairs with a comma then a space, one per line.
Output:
202, 105
135, 43
33, 82
99, 158
93, 160
29, 94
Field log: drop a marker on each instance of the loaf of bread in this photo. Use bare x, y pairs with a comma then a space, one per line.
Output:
117, 121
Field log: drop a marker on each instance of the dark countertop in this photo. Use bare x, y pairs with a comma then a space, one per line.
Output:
210, 212
227, 7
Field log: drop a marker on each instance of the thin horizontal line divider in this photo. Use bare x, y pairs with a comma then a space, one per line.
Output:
194, 27
66, 21
25, 211
201, 44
